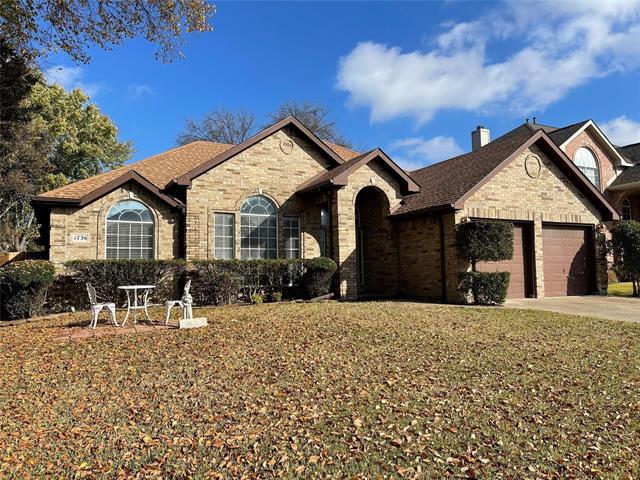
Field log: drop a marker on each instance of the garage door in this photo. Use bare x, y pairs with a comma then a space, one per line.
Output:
568, 260
518, 266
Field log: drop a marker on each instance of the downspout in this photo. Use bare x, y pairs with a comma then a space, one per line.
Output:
443, 269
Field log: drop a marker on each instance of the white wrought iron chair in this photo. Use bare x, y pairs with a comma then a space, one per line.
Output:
185, 303
97, 307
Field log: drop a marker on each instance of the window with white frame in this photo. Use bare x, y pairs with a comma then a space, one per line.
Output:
586, 161
258, 228
130, 231
626, 209
223, 235
291, 230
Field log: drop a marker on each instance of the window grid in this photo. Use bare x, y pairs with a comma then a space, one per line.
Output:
291, 237
586, 161
223, 236
258, 229
129, 231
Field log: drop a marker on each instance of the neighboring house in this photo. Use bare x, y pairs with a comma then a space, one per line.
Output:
284, 193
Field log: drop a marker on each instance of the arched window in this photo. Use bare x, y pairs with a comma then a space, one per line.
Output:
258, 228
626, 209
586, 161
129, 231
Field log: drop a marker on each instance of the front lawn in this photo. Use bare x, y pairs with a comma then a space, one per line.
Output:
327, 390
621, 289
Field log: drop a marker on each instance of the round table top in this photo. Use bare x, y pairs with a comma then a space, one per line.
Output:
132, 287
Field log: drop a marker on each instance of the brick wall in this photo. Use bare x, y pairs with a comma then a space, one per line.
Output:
343, 210
66, 222
512, 194
607, 165
274, 167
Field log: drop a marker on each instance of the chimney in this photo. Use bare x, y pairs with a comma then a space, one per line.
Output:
480, 137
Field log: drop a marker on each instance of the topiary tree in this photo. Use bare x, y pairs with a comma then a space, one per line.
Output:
485, 241
625, 249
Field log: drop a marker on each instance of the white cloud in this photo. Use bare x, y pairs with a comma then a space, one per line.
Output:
416, 152
72, 77
136, 90
622, 130
576, 43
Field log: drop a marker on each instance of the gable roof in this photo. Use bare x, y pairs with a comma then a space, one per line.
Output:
446, 185
114, 181
561, 135
163, 169
291, 122
339, 175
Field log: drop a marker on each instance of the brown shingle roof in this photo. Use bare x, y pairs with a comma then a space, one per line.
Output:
561, 135
159, 169
628, 175
444, 183
631, 152
162, 168
339, 175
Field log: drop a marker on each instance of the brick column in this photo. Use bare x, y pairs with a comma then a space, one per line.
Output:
538, 255
344, 243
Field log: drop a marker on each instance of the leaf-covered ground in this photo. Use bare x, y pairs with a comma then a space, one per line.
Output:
361, 390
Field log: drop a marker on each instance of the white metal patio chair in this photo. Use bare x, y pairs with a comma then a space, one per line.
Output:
185, 303
97, 307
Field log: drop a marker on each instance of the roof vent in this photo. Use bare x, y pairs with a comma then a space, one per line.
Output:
480, 137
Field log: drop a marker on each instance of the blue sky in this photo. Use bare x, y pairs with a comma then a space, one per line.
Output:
411, 78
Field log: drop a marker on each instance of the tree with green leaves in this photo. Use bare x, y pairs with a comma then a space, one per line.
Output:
38, 28
85, 141
625, 249
48, 138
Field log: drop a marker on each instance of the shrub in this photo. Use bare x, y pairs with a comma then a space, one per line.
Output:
107, 275
211, 286
486, 288
276, 296
485, 241
23, 287
625, 249
316, 279
256, 298
265, 277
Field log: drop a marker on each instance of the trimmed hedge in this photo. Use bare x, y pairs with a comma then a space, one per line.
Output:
318, 272
107, 275
23, 287
485, 241
486, 288
268, 278
213, 282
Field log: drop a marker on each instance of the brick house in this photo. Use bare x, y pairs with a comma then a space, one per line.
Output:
284, 193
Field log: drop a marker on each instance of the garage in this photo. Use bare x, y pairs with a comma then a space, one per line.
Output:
569, 261
520, 266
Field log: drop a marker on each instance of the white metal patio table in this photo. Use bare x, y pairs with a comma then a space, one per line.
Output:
132, 290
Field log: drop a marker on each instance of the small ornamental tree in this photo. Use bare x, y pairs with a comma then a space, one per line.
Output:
625, 249
485, 241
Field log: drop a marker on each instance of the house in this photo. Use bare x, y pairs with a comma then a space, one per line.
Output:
284, 193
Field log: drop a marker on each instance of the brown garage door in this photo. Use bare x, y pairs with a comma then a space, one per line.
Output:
568, 260
520, 284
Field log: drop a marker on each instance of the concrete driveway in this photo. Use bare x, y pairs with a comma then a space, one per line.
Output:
612, 308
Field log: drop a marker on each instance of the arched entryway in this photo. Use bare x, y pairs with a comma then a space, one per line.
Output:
375, 248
